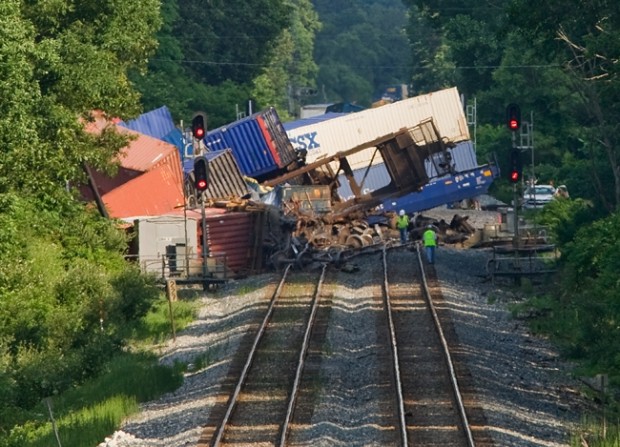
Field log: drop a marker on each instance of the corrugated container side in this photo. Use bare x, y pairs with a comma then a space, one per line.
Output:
231, 235
374, 178
259, 143
281, 143
225, 178
153, 193
463, 157
247, 143
329, 137
156, 123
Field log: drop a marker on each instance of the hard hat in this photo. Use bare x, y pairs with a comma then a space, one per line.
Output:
429, 226
401, 213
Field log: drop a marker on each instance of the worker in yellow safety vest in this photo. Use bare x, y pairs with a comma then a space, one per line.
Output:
429, 239
402, 223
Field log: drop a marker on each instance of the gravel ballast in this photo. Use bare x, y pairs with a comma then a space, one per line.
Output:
526, 391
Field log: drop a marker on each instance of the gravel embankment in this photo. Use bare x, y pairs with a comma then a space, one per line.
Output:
527, 393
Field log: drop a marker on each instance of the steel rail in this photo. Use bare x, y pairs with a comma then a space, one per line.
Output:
395, 359
302, 356
233, 399
446, 351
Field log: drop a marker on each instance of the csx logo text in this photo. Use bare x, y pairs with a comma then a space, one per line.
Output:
305, 141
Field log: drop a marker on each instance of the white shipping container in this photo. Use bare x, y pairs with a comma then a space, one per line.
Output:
162, 237
327, 138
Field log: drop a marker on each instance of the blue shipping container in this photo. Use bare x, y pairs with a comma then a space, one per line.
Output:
259, 143
156, 123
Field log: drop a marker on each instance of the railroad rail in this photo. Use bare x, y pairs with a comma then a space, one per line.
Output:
250, 416
430, 405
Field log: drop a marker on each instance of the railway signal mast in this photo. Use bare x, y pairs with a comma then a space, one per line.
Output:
513, 121
201, 183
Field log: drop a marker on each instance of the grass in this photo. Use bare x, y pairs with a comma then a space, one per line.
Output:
156, 327
596, 433
546, 316
86, 414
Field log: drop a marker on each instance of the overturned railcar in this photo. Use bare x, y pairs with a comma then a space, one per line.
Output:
320, 139
324, 136
404, 154
258, 142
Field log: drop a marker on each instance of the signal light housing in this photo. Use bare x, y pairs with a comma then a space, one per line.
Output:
201, 174
199, 125
516, 167
513, 117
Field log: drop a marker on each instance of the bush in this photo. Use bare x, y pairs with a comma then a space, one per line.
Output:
87, 414
586, 308
563, 217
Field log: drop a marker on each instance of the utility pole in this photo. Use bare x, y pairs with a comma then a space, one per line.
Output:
472, 120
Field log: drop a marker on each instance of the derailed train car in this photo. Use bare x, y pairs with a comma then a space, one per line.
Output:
259, 144
321, 139
403, 153
465, 178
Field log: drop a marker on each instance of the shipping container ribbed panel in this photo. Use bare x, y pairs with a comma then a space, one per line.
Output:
156, 123
463, 157
326, 138
225, 178
231, 235
259, 143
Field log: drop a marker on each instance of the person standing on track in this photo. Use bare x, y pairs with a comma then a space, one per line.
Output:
429, 239
402, 223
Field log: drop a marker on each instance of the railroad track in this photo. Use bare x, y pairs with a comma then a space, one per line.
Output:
260, 407
429, 400
287, 377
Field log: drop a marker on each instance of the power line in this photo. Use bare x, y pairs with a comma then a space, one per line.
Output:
457, 67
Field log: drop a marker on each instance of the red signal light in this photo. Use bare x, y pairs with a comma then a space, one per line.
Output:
513, 117
199, 125
513, 124
516, 166
201, 174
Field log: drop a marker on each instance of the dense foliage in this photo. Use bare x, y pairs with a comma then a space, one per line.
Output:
555, 59
217, 56
361, 49
586, 307
67, 296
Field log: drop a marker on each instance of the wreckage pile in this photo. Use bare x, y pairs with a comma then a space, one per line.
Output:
319, 239
457, 231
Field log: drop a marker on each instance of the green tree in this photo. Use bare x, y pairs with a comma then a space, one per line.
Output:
361, 49
431, 69
216, 56
291, 63
59, 64
61, 264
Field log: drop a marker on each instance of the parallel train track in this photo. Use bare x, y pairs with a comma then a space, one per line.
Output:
273, 400
431, 409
